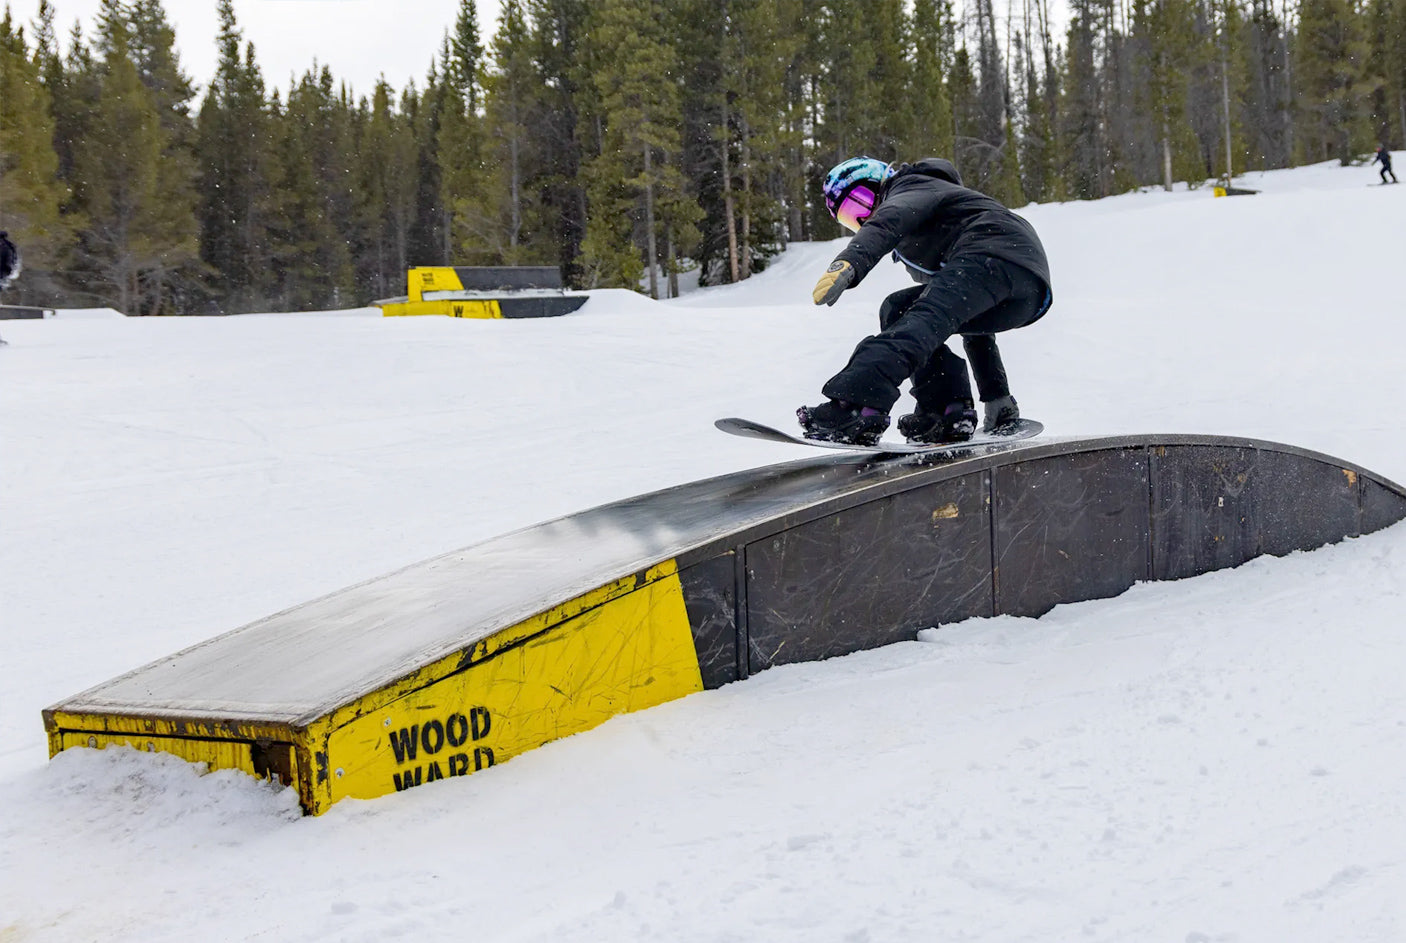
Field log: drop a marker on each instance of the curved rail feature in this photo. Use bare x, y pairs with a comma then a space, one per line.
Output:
463, 661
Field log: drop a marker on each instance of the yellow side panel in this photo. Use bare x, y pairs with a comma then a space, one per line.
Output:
472, 308
218, 754
436, 278
633, 652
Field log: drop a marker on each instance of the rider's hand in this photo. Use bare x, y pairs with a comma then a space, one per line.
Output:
838, 277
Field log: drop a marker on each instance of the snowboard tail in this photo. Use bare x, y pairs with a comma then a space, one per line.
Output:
1019, 429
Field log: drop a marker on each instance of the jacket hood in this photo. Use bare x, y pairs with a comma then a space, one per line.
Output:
932, 167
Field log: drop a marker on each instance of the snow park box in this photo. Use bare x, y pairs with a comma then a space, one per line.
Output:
484, 292
457, 664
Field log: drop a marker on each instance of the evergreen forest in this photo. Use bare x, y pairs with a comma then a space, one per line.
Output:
631, 141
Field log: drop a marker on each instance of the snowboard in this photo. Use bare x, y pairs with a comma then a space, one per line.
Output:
1020, 429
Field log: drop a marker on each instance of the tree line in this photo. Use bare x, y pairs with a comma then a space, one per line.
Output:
629, 141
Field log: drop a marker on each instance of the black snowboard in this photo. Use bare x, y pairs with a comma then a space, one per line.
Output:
1020, 429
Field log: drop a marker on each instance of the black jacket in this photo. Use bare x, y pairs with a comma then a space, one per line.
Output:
9, 257
1384, 156
927, 218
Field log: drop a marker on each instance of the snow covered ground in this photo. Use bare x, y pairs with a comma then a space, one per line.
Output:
1217, 759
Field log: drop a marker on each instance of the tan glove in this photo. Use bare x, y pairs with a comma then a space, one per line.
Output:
838, 277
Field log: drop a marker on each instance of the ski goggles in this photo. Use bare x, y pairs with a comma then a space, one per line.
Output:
855, 207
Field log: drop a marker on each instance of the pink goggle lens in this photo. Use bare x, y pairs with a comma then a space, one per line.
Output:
855, 208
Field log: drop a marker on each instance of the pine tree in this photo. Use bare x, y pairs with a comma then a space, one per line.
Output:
796, 160
1039, 77
1381, 103
1233, 79
138, 228
31, 194
1165, 34
700, 29
494, 218
1395, 68
1333, 85
559, 127
153, 50
463, 62
1267, 107
987, 150
73, 85
235, 135
1083, 129
932, 39
861, 74
758, 44
387, 185
633, 184
312, 260
153, 42
458, 144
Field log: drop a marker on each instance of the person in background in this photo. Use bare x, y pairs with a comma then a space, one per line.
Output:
1384, 158
9, 264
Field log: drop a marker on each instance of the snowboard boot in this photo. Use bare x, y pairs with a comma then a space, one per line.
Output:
956, 423
1000, 412
838, 421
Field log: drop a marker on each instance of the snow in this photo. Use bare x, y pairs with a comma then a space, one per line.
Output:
1215, 759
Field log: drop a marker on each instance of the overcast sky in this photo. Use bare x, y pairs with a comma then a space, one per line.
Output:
360, 40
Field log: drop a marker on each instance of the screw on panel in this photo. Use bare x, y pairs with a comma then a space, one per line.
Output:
93, 742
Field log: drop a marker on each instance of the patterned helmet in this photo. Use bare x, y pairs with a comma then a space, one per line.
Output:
852, 189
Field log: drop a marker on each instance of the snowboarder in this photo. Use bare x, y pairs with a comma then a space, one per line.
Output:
981, 270
9, 261
9, 265
1384, 158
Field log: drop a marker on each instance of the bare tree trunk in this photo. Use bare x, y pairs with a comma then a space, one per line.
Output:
1289, 92
159, 276
1166, 154
1225, 101
746, 253
515, 187
1401, 104
673, 259
651, 247
728, 205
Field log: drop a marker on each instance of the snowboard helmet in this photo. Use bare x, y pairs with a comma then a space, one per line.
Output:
852, 189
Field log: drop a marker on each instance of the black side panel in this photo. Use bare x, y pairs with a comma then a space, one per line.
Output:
1068, 528
21, 313
1216, 507
870, 575
1381, 507
548, 306
708, 592
508, 277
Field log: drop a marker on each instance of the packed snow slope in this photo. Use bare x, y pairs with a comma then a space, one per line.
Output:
1218, 759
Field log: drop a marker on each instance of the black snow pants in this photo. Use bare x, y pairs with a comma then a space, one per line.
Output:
974, 297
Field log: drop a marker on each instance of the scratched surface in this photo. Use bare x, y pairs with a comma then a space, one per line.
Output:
870, 575
1218, 507
841, 553
1068, 528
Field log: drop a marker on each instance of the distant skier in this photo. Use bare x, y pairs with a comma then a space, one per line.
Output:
981, 269
1384, 158
9, 265
9, 261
